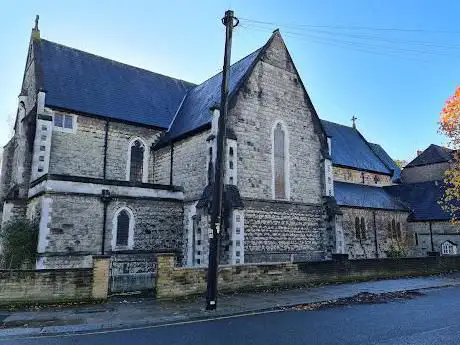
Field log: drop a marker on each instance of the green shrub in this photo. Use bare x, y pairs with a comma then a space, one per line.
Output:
19, 239
396, 252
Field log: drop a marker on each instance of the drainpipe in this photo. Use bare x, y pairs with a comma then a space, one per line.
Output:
431, 237
171, 165
105, 147
105, 197
375, 237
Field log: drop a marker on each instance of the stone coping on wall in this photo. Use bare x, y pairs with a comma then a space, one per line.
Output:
173, 282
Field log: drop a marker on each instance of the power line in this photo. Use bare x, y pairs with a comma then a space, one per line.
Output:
376, 48
345, 27
363, 37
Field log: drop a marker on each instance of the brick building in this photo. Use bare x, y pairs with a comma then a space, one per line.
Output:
113, 159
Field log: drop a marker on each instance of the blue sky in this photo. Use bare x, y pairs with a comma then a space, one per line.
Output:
394, 81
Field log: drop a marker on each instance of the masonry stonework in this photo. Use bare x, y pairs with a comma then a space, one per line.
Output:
120, 135
363, 177
274, 93
424, 173
283, 231
80, 153
190, 165
365, 247
441, 231
162, 165
158, 224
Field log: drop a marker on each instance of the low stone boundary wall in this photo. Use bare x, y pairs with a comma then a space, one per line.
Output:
60, 285
175, 282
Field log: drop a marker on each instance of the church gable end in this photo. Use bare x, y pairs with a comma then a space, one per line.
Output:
272, 94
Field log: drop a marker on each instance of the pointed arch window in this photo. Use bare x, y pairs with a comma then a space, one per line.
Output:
280, 162
137, 165
123, 229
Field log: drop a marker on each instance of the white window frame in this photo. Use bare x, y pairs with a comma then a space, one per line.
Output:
286, 160
63, 129
448, 248
145, 163
115, 230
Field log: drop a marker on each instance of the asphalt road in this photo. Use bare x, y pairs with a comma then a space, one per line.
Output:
430, 319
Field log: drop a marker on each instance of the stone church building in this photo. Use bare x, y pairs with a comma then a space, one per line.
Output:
112, 159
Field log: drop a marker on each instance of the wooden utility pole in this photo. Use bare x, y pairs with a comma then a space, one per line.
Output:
216, 208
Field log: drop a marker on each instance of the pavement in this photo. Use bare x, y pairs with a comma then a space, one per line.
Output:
133, 312
429, 319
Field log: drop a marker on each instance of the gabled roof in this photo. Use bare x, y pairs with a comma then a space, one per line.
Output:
387, 160
432, 155
422, 198
195, 110
360, 195
83, 82
350, 149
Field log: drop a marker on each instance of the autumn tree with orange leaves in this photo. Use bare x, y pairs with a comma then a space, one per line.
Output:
450, 126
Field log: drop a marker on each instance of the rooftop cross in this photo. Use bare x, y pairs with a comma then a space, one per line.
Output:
353, 119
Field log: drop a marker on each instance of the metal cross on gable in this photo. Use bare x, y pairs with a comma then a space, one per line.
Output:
353, 119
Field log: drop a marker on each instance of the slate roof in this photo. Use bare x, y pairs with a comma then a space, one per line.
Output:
195, 110
359, 195
422, 198
387, 160
349, 148
83, 82
432, 155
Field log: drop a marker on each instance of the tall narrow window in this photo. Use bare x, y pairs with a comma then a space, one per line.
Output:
393, 228
279, 160
210, 167
123, 229
398, 231
137, 162
363, 229
357, 228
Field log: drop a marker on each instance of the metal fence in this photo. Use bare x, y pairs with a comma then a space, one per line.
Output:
132, 275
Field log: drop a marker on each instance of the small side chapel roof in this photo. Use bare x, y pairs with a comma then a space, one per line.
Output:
350, 149
359, 195
422, 198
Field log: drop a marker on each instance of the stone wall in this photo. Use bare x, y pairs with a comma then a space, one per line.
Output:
442, 231
365, 248
190, 165
279, 231
120, 135
356, 176
175, 282
273, 93
72, 227
81, 153
51, 286
7, 168
158, 224
423, 173
162, 165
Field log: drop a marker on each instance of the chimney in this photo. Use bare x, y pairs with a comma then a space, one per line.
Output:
419, 152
